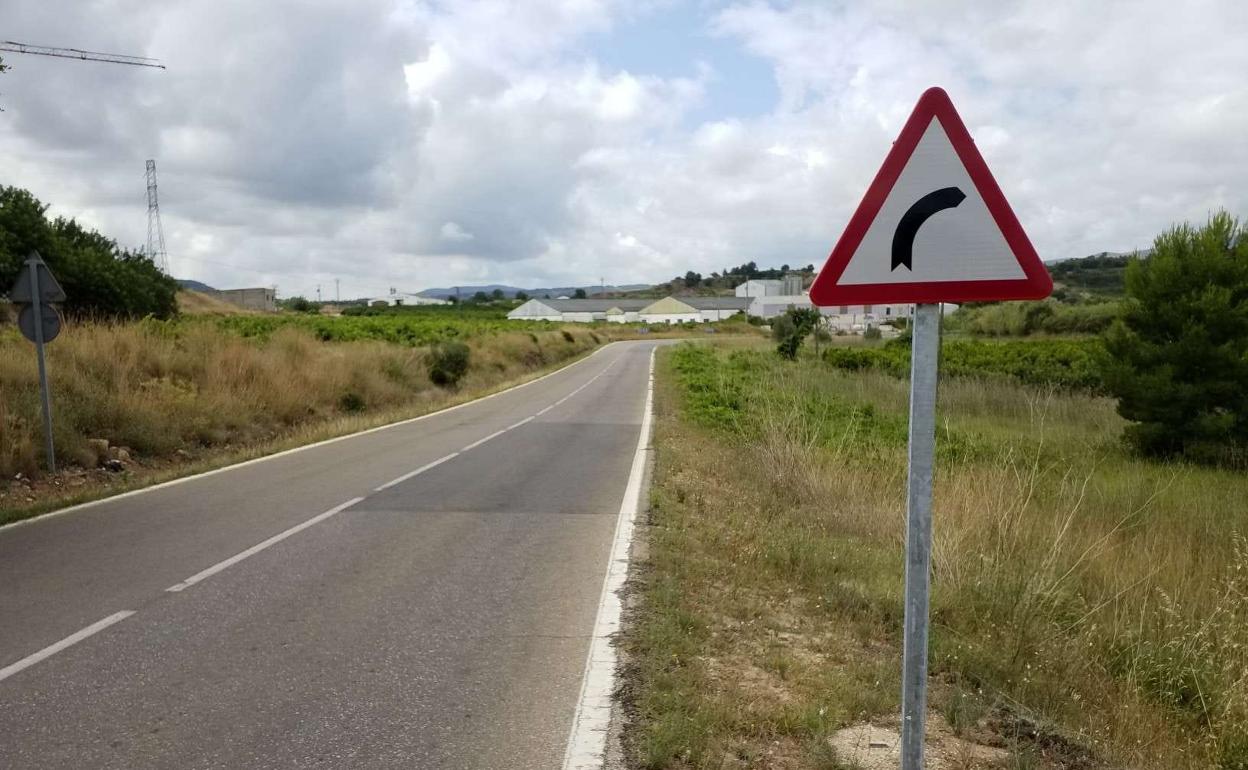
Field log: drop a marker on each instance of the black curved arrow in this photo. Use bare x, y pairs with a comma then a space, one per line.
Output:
915, 216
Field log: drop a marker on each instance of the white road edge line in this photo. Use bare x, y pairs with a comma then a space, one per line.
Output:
416, 472
304, 448
258, 547
68, 641
587, 741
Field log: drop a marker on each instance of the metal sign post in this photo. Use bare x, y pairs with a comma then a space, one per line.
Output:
35, 291
933, 227
924, 362
34, 263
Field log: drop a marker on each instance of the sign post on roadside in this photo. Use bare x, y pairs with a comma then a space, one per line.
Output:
40, 322
933, 227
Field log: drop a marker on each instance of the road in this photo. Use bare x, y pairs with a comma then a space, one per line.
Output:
335, 606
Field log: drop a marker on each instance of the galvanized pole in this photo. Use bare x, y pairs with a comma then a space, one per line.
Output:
924, 361
36, 305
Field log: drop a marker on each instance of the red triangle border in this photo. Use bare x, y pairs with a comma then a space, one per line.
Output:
933, 104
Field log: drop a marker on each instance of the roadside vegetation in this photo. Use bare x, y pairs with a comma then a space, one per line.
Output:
1090, 606
1086, 299
100, 278
133, 400
1090, 603
1075, 364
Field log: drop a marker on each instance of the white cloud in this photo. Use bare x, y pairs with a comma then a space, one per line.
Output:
453, 232
402, 142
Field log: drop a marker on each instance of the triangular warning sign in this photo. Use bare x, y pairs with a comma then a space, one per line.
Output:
49, 289
933, 226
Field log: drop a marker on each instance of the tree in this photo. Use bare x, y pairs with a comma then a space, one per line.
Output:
790, 328
497, 295
522, 296
578, 294
692, 279
99, 278
480, 298
1178, 352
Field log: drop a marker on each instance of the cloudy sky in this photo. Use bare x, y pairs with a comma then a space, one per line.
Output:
412, 143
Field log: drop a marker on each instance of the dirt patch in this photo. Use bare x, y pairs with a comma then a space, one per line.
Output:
191, 302
873, 747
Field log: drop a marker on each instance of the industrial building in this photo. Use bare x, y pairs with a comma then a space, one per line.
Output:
262, 299
396, 298
668, 310
764, 299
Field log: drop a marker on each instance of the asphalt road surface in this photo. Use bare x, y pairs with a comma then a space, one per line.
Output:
328, 607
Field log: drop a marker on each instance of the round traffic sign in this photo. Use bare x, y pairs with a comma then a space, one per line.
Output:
51, 322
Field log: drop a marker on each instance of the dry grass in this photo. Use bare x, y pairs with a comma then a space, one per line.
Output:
191, 302
1090, 609
177, 397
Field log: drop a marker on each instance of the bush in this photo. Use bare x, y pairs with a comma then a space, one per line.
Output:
99, 278
1072, 364
1019, 319
1179, 350
789, 329
448, 363
872, 333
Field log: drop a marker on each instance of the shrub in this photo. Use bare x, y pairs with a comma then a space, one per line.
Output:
1179, 350
789, 329
1019, 319
351, 402
448, 363
567, 336
872, 333
99, 278
1072, 364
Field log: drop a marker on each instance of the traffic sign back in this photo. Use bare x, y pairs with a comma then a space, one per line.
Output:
49, 289
933, 226
49, 317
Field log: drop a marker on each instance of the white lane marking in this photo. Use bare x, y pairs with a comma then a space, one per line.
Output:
481, 441
416, 472
587, 742
304, 448
68, 641
258, 547
493, 435
583, 387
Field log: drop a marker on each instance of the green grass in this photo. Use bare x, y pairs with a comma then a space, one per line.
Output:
1065, 363
1096, 599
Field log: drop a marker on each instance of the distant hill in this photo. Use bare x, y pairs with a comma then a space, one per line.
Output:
186, 283
1102, 274
510, 291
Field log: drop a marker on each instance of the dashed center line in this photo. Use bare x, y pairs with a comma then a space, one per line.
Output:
65, 643
258, 547
117, 617
416, 472
481, 441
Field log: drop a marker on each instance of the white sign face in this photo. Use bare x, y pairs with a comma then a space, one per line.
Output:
960, 243
933, 226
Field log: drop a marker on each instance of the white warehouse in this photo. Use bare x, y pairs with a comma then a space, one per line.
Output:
668, 310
